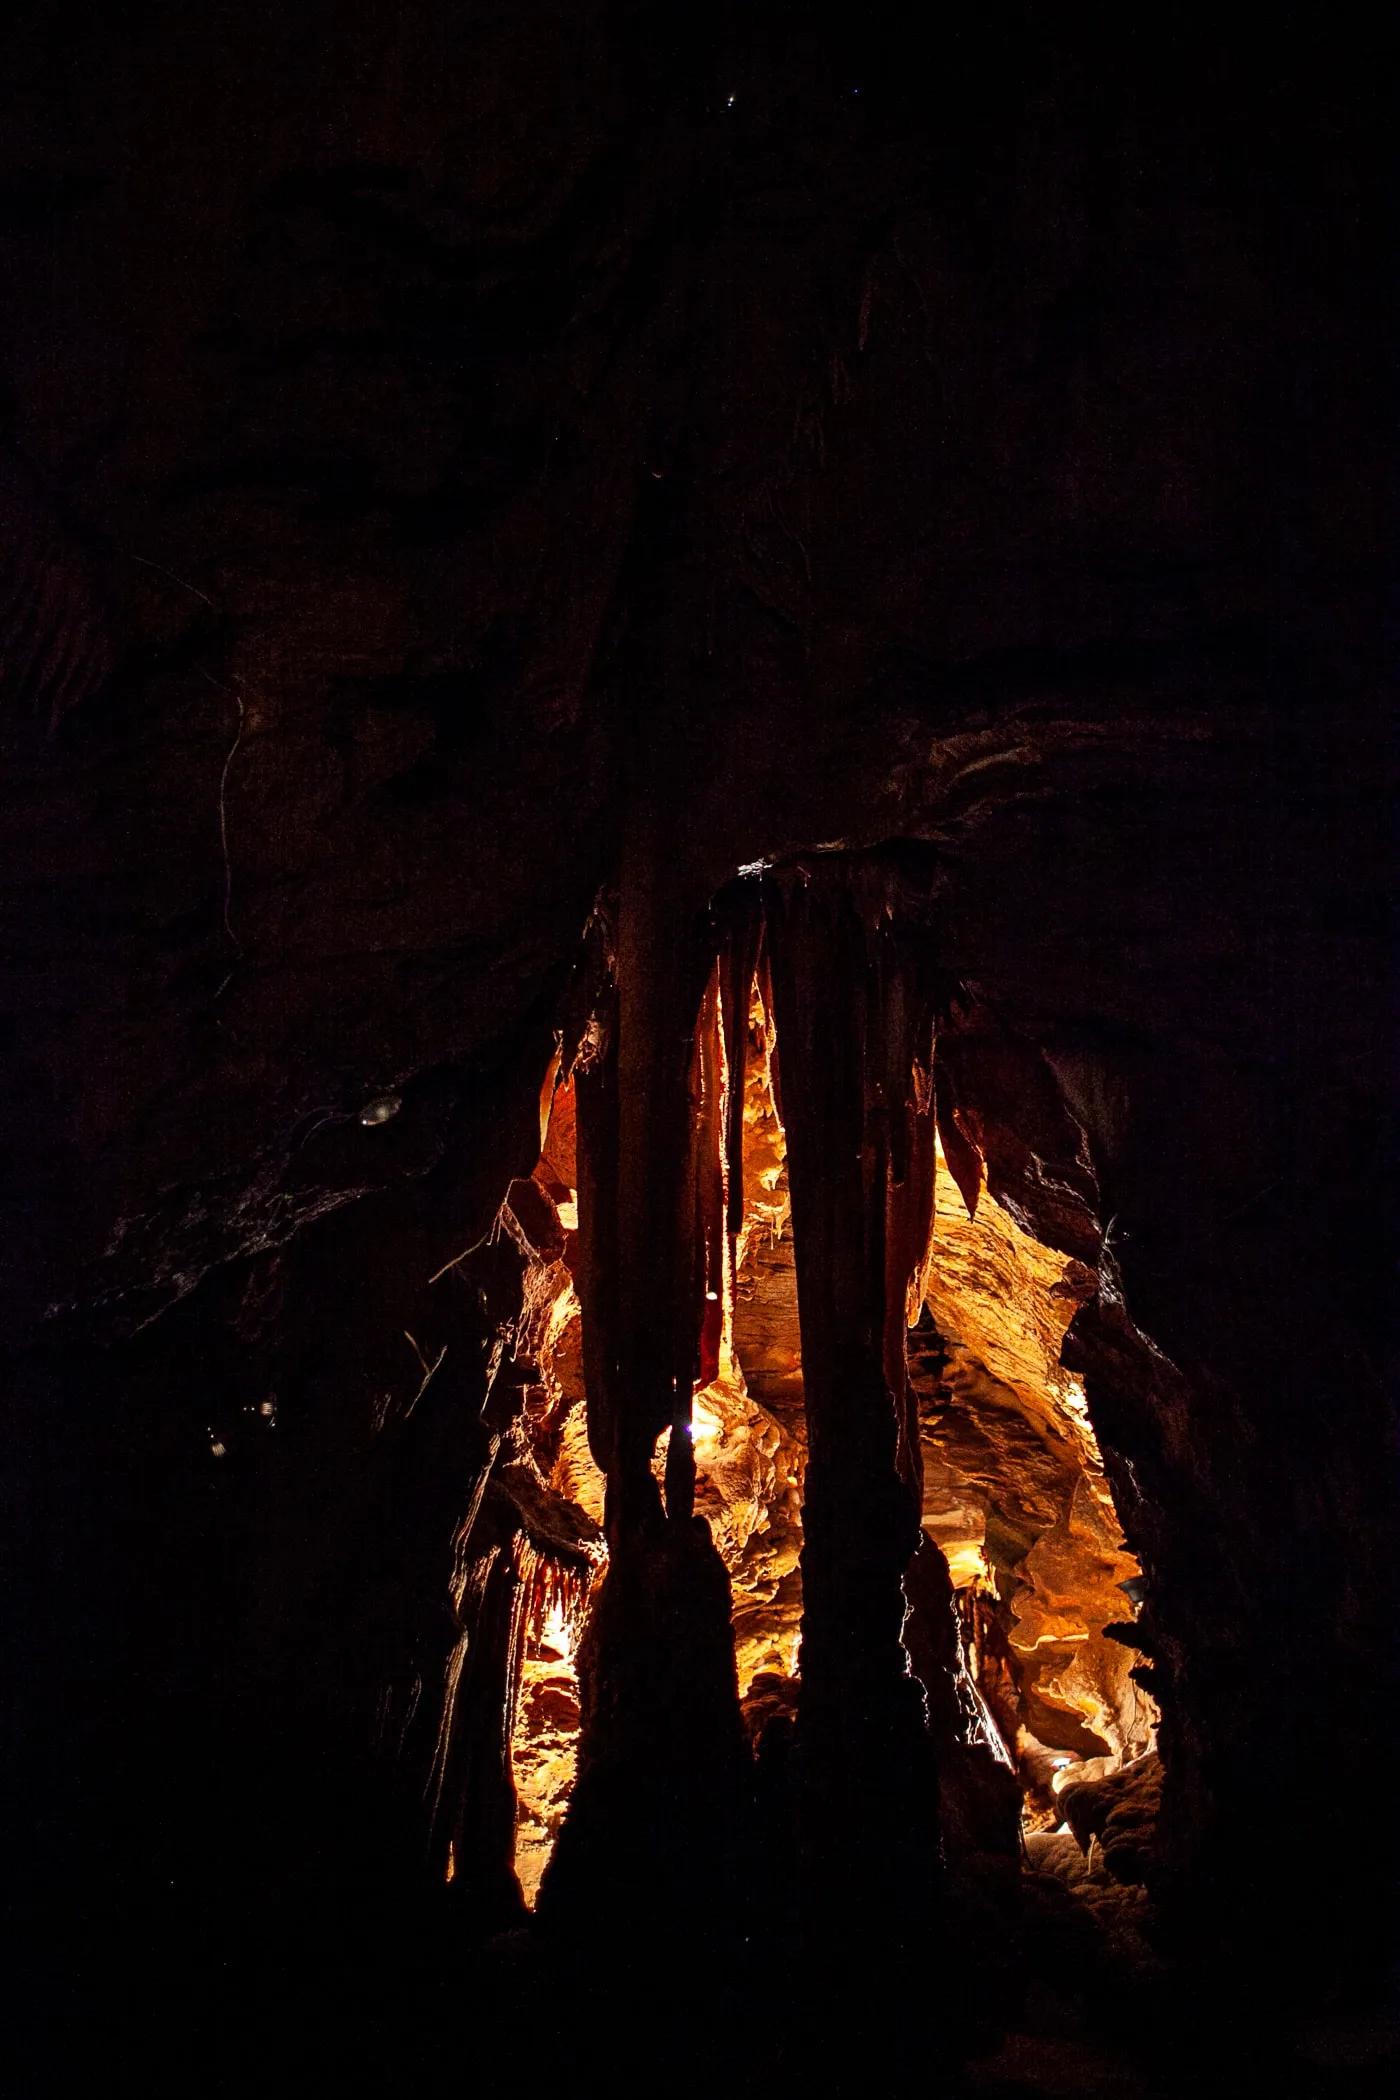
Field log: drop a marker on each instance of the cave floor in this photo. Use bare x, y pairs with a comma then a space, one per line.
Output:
429, 2016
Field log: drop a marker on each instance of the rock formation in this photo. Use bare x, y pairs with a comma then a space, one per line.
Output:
697, 875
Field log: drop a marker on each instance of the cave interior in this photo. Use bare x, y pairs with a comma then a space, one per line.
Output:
698, 760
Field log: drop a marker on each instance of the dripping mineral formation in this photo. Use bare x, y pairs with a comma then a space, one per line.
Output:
1007, 1449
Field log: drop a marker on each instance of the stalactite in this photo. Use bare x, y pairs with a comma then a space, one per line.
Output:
765, 992
740, 944
903, 1018
594, 1068
851, 1017
662, 971
1004, 1104
552, 1585
964, 1160
701, 1308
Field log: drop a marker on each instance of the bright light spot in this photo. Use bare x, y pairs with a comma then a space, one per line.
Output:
380, 1111
568, 1214
751, 867
1077, 1401
1062, 1830
712, 1297
729, 105
704, 1427
219, 1450
556, 1632
967, 1563
451, 1861
267, 1408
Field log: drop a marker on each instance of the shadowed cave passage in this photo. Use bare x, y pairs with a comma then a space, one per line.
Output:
987, 1687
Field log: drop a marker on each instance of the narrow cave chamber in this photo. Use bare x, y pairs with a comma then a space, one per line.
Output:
985, 1723
1017, 1511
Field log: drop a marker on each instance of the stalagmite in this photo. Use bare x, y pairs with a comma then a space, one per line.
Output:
848, 1021
654, 1840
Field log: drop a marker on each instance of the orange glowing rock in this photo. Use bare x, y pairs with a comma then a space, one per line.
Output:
1014, 1492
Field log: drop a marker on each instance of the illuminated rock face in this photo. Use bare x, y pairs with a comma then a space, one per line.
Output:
1014, 1489
1014, 1486
750, 1437
544, 1716
545, 1746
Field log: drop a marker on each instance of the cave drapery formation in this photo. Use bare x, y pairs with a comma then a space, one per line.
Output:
698, 1014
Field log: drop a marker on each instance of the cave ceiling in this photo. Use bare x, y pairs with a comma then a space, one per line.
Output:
449, 458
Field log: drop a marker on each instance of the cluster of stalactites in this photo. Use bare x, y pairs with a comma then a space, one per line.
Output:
510, 1591
858, 998
840, 956
553, 1602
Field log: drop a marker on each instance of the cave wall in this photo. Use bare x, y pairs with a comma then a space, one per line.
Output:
459, 459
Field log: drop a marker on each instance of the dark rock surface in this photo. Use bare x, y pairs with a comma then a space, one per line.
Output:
1120, 1811
455, 458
